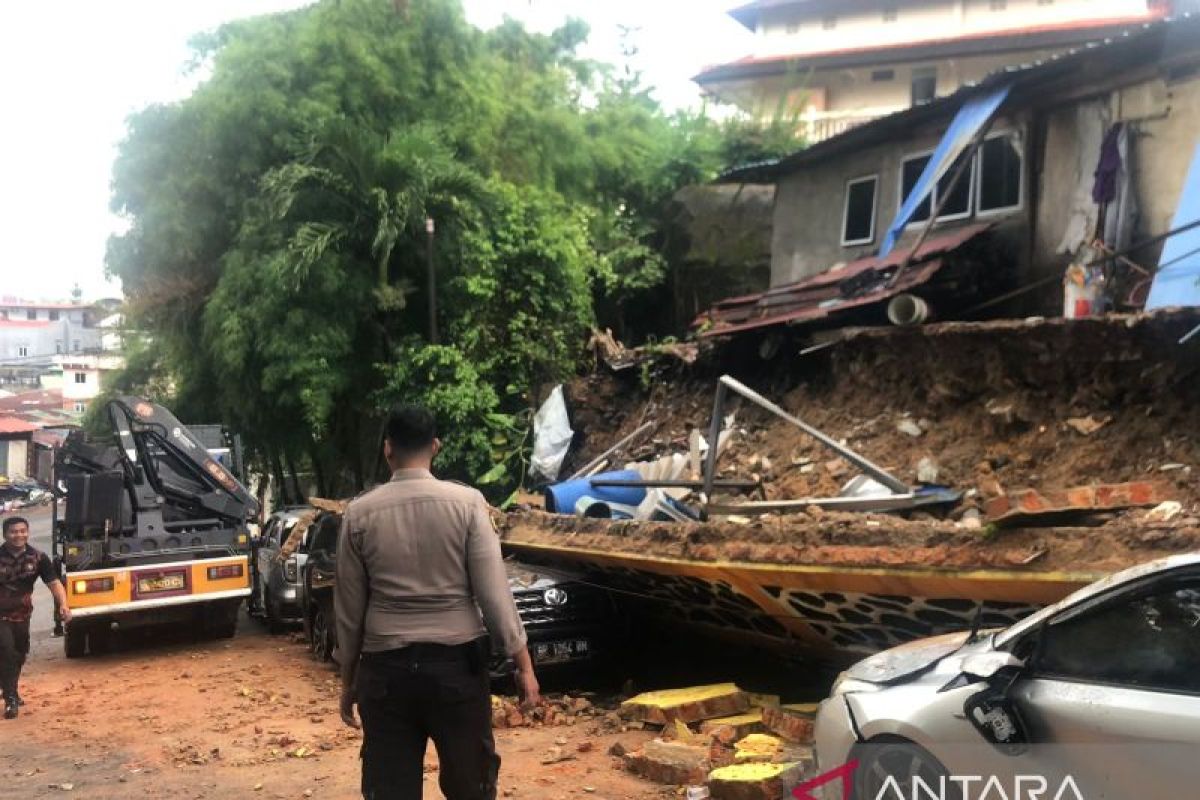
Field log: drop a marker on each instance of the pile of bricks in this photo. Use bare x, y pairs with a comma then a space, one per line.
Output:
743, 746
554, 711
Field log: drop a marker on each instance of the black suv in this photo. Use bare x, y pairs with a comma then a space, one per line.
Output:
569, 623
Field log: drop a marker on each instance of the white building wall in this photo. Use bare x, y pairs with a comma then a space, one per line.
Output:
792, 31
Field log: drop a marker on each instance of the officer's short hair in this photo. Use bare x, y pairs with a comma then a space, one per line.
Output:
12, 522
410, 428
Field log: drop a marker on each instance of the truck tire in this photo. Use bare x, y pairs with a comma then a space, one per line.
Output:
99, 637
221, 619
75, 641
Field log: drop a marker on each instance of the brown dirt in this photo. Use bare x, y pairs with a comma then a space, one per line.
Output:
254, 718
995, 401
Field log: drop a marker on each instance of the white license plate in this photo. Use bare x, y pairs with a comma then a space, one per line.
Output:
557, 652
161, 583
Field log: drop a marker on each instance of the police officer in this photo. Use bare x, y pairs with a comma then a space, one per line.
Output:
420, 584
20, 567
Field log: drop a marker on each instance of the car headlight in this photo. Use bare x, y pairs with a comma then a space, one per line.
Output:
847, 685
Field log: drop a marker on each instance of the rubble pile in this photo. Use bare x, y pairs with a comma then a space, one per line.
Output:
742, 746
556, 710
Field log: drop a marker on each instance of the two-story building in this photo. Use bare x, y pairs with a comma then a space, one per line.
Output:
835, 64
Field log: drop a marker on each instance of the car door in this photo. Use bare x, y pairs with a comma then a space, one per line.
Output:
265, 551
1114, 690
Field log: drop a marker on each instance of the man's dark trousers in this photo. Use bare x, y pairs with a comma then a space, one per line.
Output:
422, 692
14, 646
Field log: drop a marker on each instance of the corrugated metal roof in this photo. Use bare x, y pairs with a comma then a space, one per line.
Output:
823, 296
14, 425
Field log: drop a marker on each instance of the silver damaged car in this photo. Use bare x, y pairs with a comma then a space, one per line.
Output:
1097, 696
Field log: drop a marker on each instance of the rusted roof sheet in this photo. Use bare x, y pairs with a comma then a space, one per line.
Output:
14, 425
822, 296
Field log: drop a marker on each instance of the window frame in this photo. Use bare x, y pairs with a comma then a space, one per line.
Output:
81, 378
22, 351
1018, 142
1121, 595
873, 177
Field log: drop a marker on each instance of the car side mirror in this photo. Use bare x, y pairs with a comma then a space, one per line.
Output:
997, 719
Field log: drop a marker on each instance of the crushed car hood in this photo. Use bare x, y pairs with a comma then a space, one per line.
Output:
907, 659
523, 577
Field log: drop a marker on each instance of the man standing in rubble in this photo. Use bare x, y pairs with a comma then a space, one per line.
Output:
20, 567
420, 584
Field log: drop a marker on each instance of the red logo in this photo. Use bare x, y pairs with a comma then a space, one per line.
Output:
845, 772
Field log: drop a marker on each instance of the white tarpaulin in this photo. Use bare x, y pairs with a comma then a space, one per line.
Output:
552, 436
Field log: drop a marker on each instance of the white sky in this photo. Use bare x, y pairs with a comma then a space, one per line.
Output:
72, 70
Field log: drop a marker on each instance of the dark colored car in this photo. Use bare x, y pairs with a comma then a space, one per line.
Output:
569, 623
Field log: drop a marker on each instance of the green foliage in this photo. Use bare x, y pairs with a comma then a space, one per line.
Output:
276, 248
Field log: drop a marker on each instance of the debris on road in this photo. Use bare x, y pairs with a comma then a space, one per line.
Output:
674, 763
1086, 426
755, 781
791, 722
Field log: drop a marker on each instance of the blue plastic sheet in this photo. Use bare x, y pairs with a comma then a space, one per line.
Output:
973, 115
1177, 283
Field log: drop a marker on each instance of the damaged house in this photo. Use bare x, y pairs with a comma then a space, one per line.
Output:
977, 203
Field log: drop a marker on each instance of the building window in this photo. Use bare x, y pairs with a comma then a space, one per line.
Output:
924, 85
80, 407
75, 346
890, 13
81, 377
883, 75
858, 216
58, 346
999, 5
54, 316
829, 23
31, 313
958, 203
1000, 174
22, 351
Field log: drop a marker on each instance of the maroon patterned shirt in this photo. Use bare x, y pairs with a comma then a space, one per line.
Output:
18, 573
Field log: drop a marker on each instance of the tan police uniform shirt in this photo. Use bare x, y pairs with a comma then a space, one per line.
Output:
419, 561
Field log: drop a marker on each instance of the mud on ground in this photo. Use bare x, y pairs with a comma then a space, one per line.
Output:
1001, 406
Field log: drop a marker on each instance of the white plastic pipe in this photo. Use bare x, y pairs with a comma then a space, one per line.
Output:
908, 309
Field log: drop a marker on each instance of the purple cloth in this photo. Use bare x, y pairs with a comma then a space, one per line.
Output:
1104, 190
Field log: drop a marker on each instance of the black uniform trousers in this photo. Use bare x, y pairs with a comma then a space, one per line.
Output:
422, 692
14, 646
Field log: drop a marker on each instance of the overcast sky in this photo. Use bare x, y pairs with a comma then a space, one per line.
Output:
72, 70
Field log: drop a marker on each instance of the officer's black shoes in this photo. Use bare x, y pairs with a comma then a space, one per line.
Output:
10, 708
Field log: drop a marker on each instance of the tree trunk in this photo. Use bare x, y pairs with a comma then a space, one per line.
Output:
291, 465
277, 470
314, 454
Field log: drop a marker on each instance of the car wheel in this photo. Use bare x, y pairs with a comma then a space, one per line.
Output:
888, 764
320, 637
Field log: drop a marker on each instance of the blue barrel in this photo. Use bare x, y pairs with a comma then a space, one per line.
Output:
561, 497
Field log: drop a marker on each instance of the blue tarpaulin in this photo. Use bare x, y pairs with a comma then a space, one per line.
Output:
1177, 283
973, 115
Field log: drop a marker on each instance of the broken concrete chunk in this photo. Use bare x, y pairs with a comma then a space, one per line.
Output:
1165, 511
757, 747
728, 730
1030, 505
691, 704
927, 470
673, 763
754, 781
910, 428
762, 700
791, 722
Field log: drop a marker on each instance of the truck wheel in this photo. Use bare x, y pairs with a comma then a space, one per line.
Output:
75, 641
272, 618
100, 638
221, 619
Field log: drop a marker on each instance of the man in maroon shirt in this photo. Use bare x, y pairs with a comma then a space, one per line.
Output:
20, 567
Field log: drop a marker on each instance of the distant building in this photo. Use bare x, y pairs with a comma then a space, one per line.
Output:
32, 334
836, 64
83, 377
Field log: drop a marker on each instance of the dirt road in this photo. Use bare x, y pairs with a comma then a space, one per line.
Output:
250, 717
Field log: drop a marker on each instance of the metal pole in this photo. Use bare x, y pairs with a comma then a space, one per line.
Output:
714, 441
432, 279
876, 472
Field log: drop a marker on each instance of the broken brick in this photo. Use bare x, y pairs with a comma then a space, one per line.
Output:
691, 704
673, 763
1030, 504
754, 781
757, 747
728, 730
792, 722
